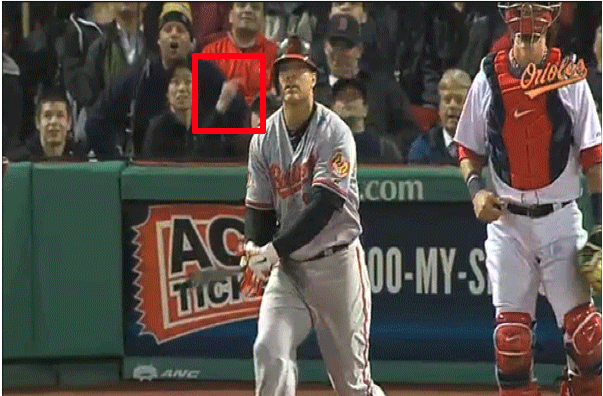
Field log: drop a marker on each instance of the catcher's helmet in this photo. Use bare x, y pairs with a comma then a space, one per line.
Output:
293, 48
529, 21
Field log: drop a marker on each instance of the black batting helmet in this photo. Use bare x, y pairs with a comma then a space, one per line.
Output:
293, 48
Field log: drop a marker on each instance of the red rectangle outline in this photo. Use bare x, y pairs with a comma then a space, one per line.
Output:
195, 113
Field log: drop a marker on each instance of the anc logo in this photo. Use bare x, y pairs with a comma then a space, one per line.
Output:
340, 167
175, 241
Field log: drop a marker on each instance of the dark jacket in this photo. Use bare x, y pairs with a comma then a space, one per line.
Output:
437, 37
367, 146
169, 138
430, 148
594, 82
72, 49
32, 151
372, 148
120, 116
388, 107
106, 61
210, 83
125, 108
12, 104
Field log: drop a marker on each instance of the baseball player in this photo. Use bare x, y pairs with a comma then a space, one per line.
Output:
302, 227
534, 148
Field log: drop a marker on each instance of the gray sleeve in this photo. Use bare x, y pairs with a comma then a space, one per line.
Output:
336, 159
259, 188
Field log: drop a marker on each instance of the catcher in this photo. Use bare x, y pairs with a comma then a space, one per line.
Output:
535, 134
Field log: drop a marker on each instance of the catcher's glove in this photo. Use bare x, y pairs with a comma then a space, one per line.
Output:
589, 260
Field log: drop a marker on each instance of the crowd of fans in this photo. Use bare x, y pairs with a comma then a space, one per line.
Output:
114, 80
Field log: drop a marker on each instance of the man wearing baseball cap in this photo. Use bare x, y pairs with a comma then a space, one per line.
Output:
120, 116
388, 106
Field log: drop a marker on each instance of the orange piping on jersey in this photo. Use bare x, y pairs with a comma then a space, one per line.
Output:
258, 205
590, 157
365, 329
464, 153
331, 185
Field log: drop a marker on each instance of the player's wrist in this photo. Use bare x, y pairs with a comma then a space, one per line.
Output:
271, 253
475, 183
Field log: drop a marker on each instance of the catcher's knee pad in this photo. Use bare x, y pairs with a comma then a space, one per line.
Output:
581, 386
513, 341
582, 338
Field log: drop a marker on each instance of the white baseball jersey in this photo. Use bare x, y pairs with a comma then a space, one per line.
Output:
280, 177
586, 132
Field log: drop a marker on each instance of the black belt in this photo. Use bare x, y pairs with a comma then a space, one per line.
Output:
534, 211
328, 252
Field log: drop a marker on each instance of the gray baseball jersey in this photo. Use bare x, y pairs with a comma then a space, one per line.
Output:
280, 177
331, 294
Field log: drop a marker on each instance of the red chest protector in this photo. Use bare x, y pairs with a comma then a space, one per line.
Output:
527, 129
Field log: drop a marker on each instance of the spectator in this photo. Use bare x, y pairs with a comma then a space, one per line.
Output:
376, 38
437, 145
350, 103
594, 73
450, 35
170, 134
120, 116
246, 19
388, 106
53, 122
210, 21
72, 47
12, 97
289, 18
254, 118
121, 46
272, 105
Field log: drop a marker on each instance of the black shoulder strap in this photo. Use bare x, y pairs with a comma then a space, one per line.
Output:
488, 65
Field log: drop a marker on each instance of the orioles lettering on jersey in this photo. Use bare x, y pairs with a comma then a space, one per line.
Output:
289, 182
537, 81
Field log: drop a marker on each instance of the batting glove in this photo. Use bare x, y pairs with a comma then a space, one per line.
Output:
260, 259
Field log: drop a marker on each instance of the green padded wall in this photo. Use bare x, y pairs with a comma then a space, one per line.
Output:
77, 258
17, 270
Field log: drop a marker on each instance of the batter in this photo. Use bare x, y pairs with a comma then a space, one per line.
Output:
302, 227
534, 148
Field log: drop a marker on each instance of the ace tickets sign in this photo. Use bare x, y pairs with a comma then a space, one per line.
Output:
167, 244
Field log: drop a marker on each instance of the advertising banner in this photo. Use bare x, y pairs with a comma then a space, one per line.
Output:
431, 295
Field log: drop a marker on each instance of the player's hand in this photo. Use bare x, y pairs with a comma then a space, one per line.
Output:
487, 206
260, 259
228, 93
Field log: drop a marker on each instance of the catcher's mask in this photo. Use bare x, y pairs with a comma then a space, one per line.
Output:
529, 21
